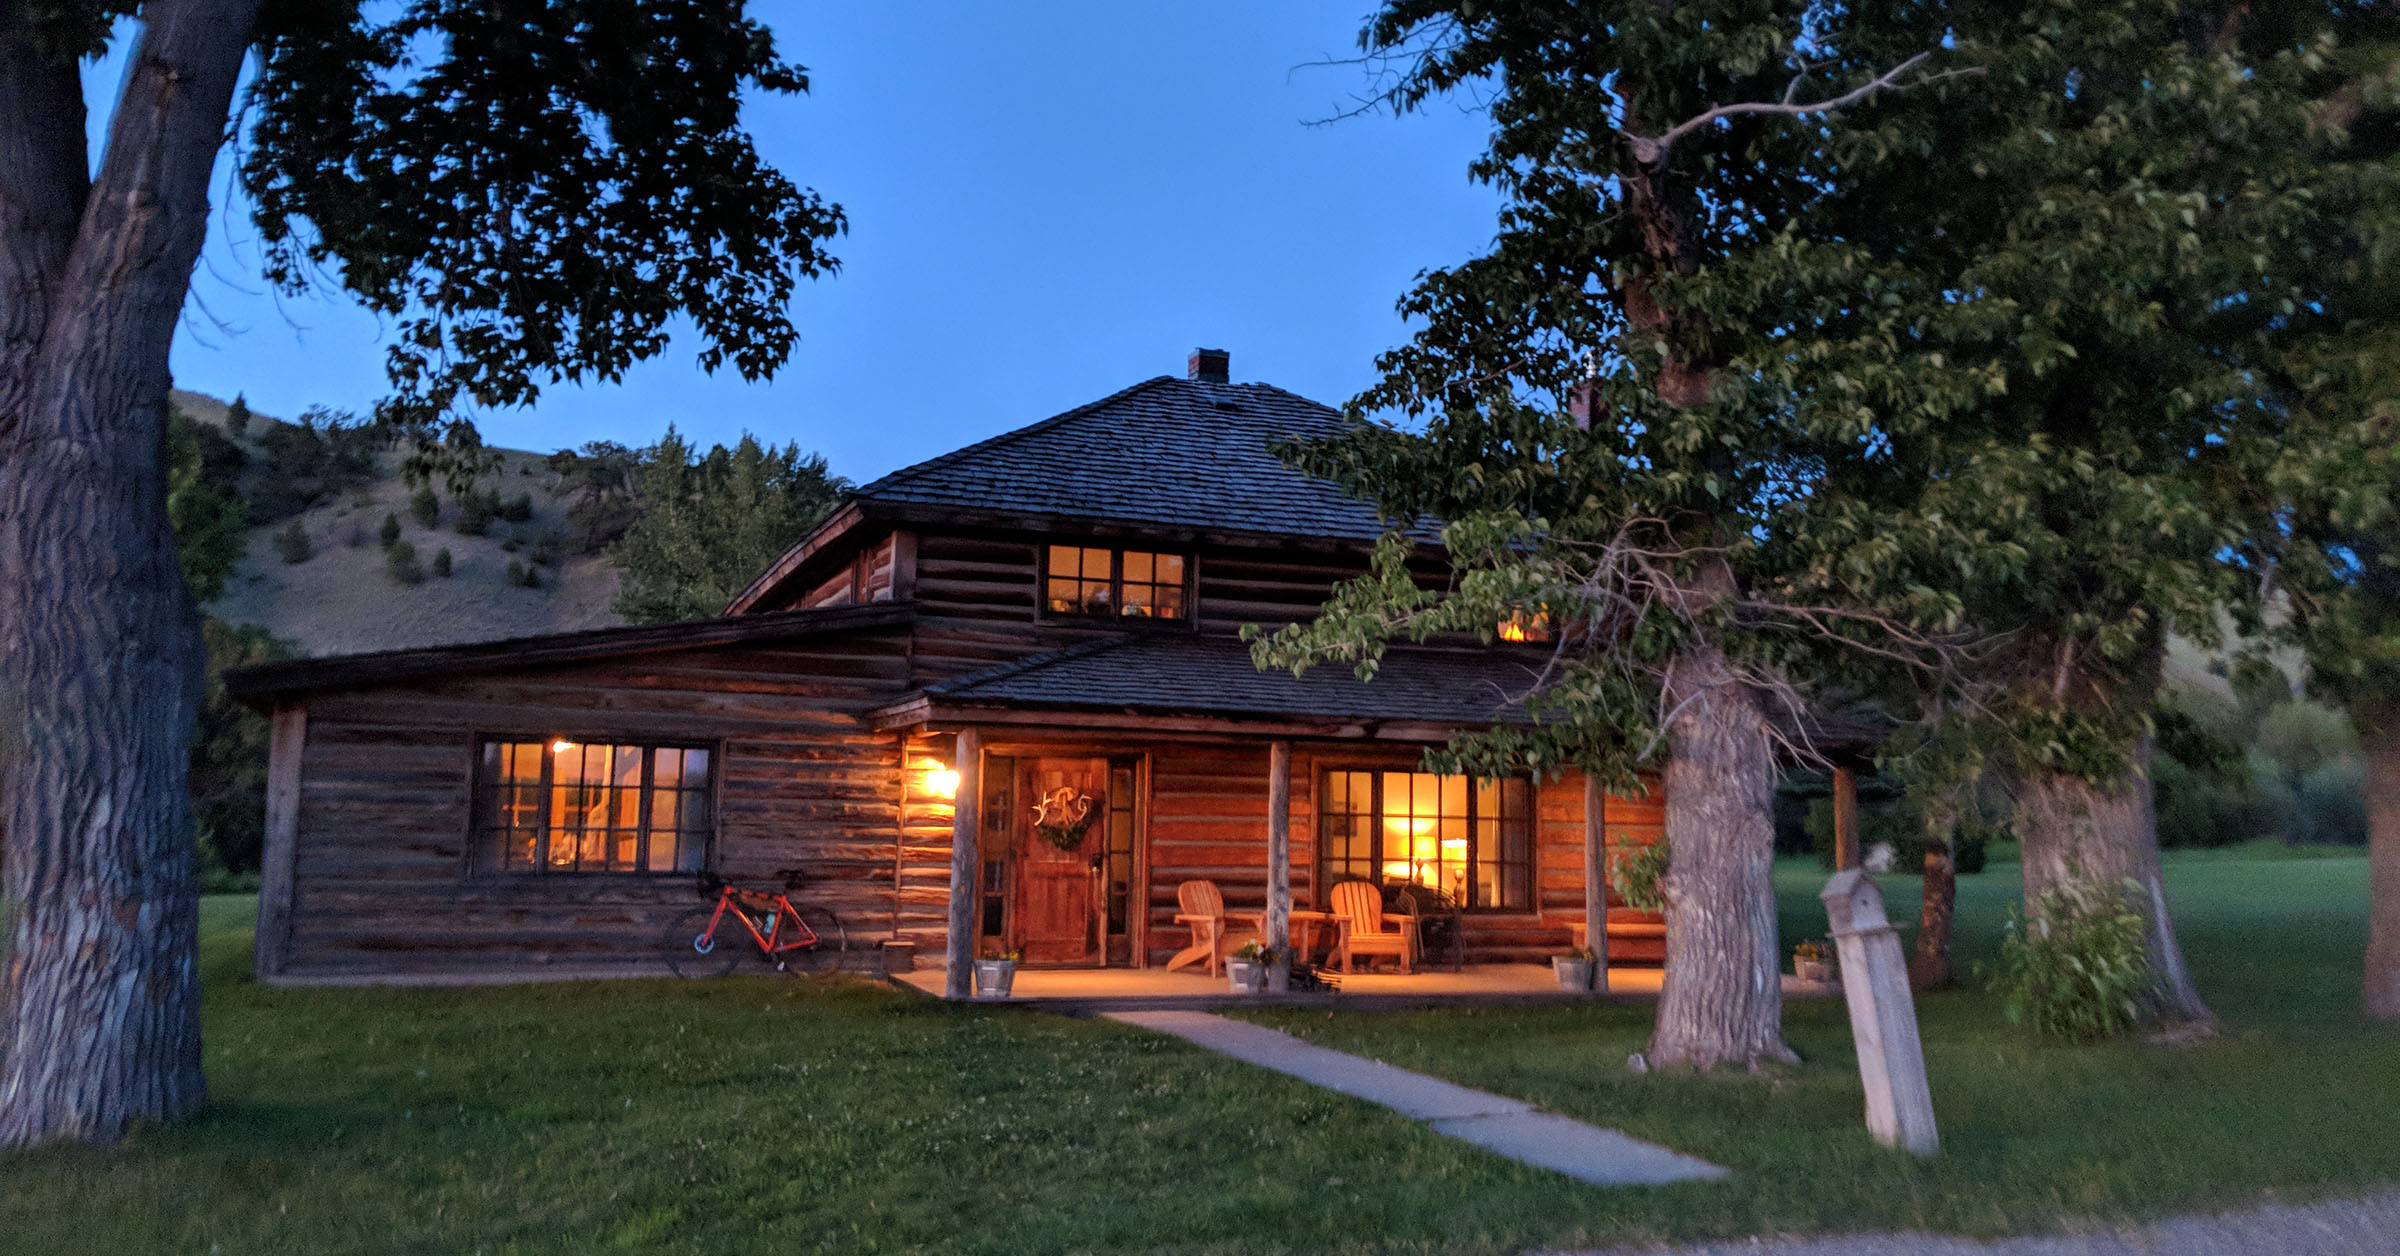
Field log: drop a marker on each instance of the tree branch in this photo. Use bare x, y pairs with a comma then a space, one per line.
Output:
1652, 149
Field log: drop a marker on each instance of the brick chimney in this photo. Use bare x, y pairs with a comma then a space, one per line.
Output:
1211, 366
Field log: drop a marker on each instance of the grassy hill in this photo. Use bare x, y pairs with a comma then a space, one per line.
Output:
340, 600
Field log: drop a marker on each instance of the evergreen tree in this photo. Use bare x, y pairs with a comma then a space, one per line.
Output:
204, 505
292, 543
424, 506
441, 563
237, 417
711, 522
389, 533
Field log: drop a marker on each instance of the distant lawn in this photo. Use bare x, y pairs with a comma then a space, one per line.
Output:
758, 1115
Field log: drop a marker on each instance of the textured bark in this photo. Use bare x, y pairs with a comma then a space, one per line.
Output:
99, 652
2075, 830
1722, 1001
2379, 742
1929, 966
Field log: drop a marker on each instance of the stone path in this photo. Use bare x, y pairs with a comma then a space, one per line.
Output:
2334, 1227
1504, 1126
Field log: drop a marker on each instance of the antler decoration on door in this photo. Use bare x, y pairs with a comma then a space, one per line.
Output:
1063, 816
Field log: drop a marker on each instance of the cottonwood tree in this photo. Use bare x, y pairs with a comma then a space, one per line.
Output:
2095, 269
1604, 461
529, 192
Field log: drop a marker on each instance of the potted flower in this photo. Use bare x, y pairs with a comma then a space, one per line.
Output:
1246, 969
1813, 961
1573, 969
996, 972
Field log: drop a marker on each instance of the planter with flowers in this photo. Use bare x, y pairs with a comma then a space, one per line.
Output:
996, 972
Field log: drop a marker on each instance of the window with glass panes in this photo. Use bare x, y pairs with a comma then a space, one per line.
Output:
1469, 837
560, 805
1129, 584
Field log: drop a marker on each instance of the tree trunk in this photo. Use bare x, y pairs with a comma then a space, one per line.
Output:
1929, 967
2075, 830
1722, 1002
2379, 744
99, 651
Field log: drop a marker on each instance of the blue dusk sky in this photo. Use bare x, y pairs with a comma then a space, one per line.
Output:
1048, 201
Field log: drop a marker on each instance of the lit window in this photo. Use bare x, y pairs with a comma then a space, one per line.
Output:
1469, 837
565, 805
1522, 625
1129, 584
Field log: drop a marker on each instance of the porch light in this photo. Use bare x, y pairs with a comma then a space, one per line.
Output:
942, 781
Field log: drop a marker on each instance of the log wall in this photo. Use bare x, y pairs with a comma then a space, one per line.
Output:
382, 881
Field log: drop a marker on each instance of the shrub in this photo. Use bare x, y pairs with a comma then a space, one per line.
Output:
237, 415
545, 550
441, 563
400, 563
2331, 805
389, 533
519, 508
425, 507
293, 544
2080, 968
533, 577
475, 512
515, 574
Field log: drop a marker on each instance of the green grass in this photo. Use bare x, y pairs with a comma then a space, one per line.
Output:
762, 1115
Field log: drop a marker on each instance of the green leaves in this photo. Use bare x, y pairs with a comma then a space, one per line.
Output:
711, 522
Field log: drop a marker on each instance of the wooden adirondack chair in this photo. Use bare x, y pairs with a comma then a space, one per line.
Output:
1213, 933
1358, 909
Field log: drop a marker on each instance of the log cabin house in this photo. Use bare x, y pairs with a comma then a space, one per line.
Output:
888, 705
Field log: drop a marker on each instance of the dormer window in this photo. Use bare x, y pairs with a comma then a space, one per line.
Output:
1114, 583
1525, 626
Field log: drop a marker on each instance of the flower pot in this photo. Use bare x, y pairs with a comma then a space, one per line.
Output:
1816, 970
1245, 976
994, 978
1573, 974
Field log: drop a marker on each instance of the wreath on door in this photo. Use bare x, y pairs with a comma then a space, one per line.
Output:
1063, 817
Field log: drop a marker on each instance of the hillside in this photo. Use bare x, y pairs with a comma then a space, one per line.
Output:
339, 600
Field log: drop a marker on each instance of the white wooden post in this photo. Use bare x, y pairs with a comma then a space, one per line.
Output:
1279, 865
1595, 878
1883, 1015
966, 866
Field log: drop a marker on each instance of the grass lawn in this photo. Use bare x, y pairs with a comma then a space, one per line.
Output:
757, 1114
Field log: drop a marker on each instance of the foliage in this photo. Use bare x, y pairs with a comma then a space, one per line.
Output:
204, 504
389, 533
476, 510
229, 755
632, 193
1900, 821
2078, 968
300, 464
518, 509
1635, 873
401, 565
711, 522
441, 562
424, 506
600, 476
2264, 765
237, 417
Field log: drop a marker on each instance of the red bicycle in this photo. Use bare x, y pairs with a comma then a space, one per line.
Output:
703, 943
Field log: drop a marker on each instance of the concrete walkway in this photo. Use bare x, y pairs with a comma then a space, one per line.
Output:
1503, 1126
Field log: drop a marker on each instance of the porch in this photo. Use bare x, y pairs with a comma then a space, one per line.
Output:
1093, 990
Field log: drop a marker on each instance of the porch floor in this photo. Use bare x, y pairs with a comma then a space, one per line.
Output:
1092, 990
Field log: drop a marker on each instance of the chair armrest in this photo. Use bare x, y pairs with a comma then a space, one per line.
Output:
1192, 920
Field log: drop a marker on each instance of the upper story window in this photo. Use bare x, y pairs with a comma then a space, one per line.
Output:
1523, 626
1118, 583
564, 805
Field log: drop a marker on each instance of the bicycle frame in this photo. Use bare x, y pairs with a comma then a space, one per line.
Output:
779, 914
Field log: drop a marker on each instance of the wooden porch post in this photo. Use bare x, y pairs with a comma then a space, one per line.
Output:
1845, 817
1279, 864
966, 867
1595, 878
287, 739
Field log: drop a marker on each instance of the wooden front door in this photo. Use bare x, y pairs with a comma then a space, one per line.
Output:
1057, 916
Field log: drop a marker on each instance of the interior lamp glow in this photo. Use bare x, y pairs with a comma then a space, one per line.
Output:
561, 746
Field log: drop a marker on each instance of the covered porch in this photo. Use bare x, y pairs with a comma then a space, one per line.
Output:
1131, 989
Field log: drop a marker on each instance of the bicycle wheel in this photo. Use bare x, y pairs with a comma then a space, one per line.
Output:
692, 954
830, 948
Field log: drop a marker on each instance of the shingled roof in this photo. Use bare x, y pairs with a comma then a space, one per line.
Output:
1165, 452
1178, 674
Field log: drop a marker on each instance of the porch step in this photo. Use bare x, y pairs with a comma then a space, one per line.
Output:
1496, 1123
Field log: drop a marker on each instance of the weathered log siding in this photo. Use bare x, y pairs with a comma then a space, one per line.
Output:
382, 881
